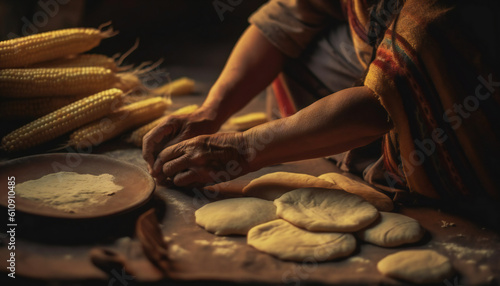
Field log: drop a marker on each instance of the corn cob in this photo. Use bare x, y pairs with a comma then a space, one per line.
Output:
32, 108
21, 52
248, 120
126, 118
179, 86
40, 82
82, 60
63, 120
136, 136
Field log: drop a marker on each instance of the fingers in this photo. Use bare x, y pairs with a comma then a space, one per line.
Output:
171, 168
152, 142
191, 177
197, 160
181, 176
165, 156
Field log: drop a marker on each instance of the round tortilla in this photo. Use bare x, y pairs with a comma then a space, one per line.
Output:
273, 185
391, 230
288, 242
235, 216
317, 209
371, 195
417, 266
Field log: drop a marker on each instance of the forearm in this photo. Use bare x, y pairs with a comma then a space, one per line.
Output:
251, 67
342, 121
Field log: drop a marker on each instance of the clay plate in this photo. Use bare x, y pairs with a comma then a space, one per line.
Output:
138, 185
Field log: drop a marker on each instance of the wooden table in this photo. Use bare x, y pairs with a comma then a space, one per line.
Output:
198, 255
49, 251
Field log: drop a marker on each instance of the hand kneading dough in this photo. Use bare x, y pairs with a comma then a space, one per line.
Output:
272, 186
288, 242
235, 216
371, 195
417, 266
391, 230
325, 210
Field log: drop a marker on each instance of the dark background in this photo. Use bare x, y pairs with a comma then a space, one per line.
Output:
182, 32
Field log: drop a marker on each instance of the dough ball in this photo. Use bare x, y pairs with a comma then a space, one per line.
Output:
325, 210
271, 186
371, 195
235, 216
288, 242
417, 266
391, 230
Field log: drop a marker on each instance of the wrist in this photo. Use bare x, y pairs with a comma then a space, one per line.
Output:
218, 104
246, 151
209, 115
265, 144
254, 147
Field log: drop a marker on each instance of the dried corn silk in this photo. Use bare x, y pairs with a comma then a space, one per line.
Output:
69, 191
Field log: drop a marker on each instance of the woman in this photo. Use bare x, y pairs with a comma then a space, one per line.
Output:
430, 94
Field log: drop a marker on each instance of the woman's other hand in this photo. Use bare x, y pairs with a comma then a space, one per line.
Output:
203, 160
174, 129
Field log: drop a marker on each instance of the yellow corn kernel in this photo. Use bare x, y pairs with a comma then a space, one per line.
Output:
128, 117
185, 110
81, 60
248, 120
179, 86
136, 136
24, 51
42, 82
63, 120
32, 108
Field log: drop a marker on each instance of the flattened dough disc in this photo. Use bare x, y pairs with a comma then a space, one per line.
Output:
288, 242
235, 216
271, 186
317, 209
391, 230
371, 195
417, 266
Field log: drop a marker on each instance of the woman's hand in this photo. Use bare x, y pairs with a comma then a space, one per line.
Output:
174, 129
254, 63
203, 159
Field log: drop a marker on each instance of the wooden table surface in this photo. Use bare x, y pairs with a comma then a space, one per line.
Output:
55, 255
49, 251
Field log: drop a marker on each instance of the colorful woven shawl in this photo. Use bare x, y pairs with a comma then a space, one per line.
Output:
437, 74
